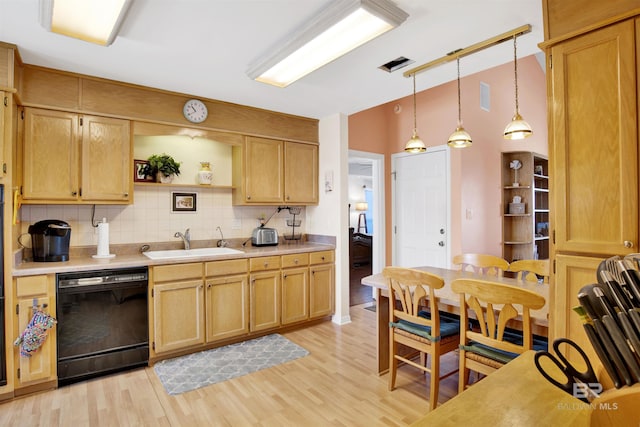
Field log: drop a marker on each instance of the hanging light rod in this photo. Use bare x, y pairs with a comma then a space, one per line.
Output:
452, 56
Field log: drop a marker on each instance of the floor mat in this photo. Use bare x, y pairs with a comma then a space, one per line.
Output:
208, 367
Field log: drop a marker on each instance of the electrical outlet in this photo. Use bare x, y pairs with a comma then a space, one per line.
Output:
469, 214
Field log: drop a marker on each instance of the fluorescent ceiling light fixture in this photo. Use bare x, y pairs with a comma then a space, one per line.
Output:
341, 27
94, 21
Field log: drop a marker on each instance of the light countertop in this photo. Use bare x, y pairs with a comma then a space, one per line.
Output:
84, 261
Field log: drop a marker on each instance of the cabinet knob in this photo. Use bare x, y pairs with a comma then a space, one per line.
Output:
248, 197
628, 244
288, 198
266, 264
74, 193
295, 261
125, 195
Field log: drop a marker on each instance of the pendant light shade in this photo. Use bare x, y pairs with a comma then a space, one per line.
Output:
518, 128
415, 144
460, 138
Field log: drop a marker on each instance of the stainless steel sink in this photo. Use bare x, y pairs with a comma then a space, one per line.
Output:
190, 253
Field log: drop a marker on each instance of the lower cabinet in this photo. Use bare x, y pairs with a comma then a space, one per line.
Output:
41, 367
295, 288
178, 319
227, 299
264, 281
321, 283
196, 305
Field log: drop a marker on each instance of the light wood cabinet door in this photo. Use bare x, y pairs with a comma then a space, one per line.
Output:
42, 365
263, 170
321, 285
227, 303
295, 295
594, 142
106, 159
51, 146
265, 300
572, 273
300, 173
179, 320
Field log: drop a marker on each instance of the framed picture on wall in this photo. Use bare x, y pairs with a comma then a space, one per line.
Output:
138, 171
183, 202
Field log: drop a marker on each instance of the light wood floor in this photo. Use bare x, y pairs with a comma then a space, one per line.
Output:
336, 385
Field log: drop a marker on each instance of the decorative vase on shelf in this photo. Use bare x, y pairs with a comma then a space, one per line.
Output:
205, 175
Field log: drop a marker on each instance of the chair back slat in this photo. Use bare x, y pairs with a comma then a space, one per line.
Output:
414, 289
490, 300
533, 270
482, 264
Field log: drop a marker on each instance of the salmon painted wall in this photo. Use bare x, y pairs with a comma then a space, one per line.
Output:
475, 171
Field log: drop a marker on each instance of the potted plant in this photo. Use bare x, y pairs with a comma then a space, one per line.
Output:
163, 167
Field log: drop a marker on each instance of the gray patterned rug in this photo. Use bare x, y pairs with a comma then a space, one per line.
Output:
208, 367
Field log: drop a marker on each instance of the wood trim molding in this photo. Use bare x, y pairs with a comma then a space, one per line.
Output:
48, 88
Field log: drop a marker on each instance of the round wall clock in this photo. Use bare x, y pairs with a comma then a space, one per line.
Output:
195, 111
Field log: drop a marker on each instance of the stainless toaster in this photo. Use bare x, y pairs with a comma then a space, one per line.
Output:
262, 236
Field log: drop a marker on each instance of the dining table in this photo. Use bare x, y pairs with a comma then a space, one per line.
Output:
447, 301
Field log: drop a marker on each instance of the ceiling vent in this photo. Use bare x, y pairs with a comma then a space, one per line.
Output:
396, 64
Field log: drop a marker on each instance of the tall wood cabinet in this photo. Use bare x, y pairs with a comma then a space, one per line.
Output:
525, 226
72, 158
268, 171
593, 137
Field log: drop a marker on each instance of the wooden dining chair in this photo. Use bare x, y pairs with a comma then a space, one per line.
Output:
490, 344
482, 264
533, 270
411, 326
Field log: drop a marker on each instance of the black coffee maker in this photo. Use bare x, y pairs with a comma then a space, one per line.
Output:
50, 240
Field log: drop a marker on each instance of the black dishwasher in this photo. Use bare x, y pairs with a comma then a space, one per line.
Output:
102, 322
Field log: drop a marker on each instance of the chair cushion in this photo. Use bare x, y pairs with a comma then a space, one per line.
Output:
443, 315
510, 335
448, 328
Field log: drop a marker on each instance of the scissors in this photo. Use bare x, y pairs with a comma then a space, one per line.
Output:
587, 378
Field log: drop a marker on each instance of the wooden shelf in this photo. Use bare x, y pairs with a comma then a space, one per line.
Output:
207, 187
519, 230
519, 187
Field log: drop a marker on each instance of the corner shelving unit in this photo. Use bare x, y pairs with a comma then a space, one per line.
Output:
525, 235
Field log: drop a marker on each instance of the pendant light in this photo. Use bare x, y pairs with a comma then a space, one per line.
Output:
460, 138
415, 144
517, 128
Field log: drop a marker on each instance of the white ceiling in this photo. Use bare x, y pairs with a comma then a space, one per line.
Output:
204, 47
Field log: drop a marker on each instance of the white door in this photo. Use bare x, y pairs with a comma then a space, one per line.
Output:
420, 208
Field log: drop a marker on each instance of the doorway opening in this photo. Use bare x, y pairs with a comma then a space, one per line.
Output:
366, 222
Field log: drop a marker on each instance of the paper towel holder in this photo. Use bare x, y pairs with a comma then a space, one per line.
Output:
103, 240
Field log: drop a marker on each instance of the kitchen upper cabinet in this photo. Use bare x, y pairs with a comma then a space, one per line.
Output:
267, 171
71, 158
41, 366
300, 173
594, 142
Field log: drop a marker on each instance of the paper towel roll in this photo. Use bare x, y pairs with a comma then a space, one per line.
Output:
103, 239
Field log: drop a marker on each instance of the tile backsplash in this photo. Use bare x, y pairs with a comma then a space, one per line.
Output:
150, 218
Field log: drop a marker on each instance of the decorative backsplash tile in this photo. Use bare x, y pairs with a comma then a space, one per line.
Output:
150, 218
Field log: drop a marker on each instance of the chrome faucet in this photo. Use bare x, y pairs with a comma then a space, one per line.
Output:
186, 238
221, 243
